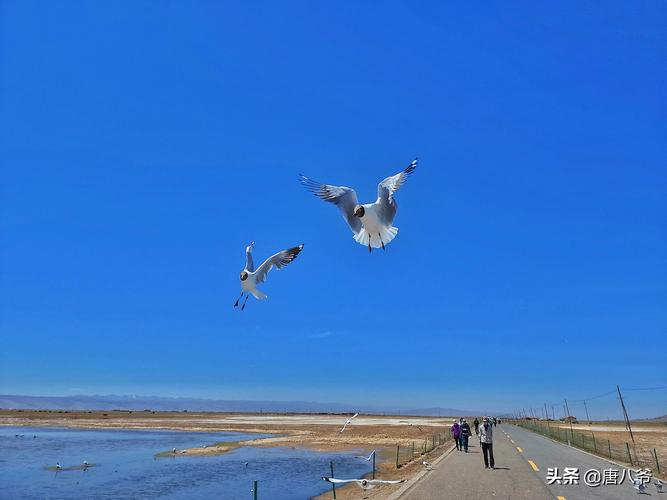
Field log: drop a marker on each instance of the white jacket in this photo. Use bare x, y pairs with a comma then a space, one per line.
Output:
486, 435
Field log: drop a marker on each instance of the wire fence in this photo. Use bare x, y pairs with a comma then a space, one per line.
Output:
617, 450
409, 451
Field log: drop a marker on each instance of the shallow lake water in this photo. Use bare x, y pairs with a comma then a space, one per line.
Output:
125, 466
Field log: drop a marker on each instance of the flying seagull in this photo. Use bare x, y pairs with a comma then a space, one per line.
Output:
250, 278
368, 459
371, 223
349, 421
365, 484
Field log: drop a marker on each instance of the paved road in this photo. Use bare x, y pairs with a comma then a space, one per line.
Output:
522, 459
463, 476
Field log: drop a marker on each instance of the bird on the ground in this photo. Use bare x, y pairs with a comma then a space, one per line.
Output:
85, 463
348, 421
412, 424
246, 464
173, 450
365, 484
58, 467
428, 465
659, 485
251, 278
371, 223
638, 485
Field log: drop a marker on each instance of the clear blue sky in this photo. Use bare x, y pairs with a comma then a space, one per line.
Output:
144, 144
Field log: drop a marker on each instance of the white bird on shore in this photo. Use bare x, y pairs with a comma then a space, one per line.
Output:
371, 223
412, 424
364, 484
659, 485
349, 421
251, 278
58, 467
173, 450
428, 465
85, 463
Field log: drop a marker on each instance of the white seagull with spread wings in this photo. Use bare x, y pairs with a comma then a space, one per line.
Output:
364, 484
349, 421
371, 223
250, 278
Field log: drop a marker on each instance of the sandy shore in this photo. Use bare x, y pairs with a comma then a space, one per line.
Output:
317, 432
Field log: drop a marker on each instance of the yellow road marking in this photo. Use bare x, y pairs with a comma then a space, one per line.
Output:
520, 450
535, 467
561, 498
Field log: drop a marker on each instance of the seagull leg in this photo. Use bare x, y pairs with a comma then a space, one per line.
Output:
244, 302
381, 242
369, 243
237, 300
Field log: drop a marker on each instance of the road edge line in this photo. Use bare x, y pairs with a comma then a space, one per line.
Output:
419, 476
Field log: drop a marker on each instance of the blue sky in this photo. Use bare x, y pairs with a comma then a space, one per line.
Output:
144, 144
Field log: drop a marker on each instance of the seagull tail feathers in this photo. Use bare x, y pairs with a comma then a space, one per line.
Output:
387, 234
258, 294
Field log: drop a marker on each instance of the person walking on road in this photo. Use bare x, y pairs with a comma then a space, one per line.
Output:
456, 434
476, 424
465, 435
486, 439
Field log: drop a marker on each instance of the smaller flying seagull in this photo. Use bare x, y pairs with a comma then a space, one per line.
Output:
251, 278
364, 484
349, 421
368, 459
371, 223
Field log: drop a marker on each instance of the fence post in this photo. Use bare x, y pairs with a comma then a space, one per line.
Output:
657, 464
398, 446
374, 453
254, 490
627, 447
333, 486
595, 446
413, 449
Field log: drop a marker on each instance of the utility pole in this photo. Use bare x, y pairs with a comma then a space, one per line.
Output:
625, 415
567, 409
546, 411
553, 411
587, 417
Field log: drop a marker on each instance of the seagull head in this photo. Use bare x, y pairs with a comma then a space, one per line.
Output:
244, 275
359, 211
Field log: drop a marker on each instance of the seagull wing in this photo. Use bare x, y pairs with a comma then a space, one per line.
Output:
385, 481
355, 415
344, 426
279, 260
249, 265
343, 197
339, 481
386, 190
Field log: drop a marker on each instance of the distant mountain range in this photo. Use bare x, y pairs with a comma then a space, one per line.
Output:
157, 403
